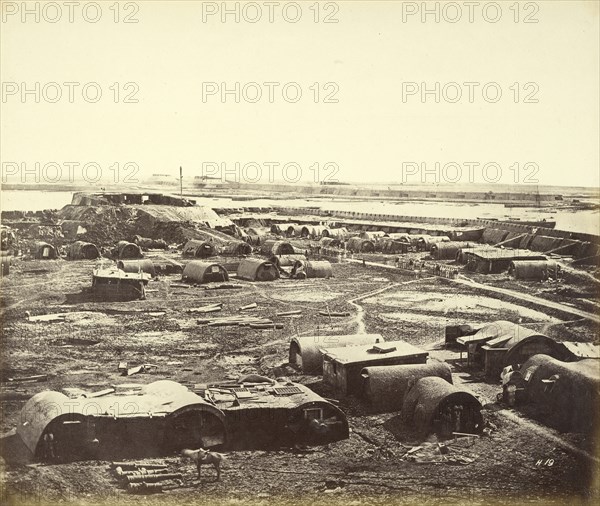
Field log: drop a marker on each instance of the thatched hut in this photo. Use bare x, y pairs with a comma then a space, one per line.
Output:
424, 242
330, 242
295, 230
384, 387
146, 266
339, 233
503, 343
275, 247
199, 271
434, 405
257, 269
286, 260
236, 248
281, 228
164, 265
342, 366
81, 431
306, 352
317, 231
254, 240
391, 246
372, 235
275, 414
360, 245
199, 249
126, 249
44, 251
399, 236
80, 250
448, 250
303, 269
534, 270
255, 236
564, 394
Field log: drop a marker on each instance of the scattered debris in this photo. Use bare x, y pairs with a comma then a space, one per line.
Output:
290, 313
47, 318
253, 305
335, 314
36, 377
211, 308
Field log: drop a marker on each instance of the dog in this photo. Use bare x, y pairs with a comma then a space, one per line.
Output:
202, 456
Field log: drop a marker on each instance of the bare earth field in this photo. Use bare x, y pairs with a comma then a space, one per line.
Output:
521, 461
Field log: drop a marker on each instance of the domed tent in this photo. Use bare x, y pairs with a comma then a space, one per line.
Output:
330, 242
434, 405
274, 247
294, 230
143, 426
391, 246
372, 235
448, 250
286, 260
312, 269
317, 231
424, 242
384, 387
44, 251
564, 394
279, 413
400, 236
281, 228
306, 352
257, 269
502, 343
198, 271
236, 248
533, 270
128, 250
199, 249
81, 250
359, 245
146, 266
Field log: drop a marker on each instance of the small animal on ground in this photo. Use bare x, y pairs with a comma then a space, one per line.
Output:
201, 457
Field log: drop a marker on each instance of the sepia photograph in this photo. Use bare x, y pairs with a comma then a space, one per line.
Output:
300, 252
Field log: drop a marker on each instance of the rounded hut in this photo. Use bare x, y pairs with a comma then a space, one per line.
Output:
312, 269
199, 249
128, 250
199, 271
81, 250
434, 405
306, 351
385, 387
275, 247
360, 245
257, 269
146, 266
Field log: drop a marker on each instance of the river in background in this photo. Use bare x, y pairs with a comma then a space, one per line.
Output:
586, 221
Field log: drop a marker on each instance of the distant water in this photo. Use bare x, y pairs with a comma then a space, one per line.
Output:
32, 200
576, 221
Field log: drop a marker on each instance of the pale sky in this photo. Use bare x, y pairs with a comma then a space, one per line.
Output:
368, 55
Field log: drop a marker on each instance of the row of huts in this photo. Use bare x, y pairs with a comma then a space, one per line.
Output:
164, 417
390, 376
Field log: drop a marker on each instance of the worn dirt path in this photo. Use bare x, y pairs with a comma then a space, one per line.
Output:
504, 291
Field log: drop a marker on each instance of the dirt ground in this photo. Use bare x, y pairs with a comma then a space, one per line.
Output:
521, 460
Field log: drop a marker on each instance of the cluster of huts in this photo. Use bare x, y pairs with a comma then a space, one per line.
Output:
561, 379
163, 417
522, 256
390, 376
